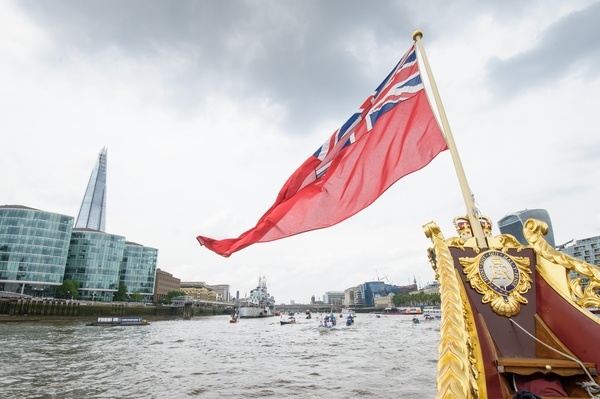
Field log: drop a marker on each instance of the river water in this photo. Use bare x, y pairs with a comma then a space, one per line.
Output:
208, 357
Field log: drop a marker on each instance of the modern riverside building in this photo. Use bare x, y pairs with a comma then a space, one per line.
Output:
138, 269
92, 213
368, 291
513, 224
586, 249
39, 250
33, 249
163, 284
94, 262
353, 296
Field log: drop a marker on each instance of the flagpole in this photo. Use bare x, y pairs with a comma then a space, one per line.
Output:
462, 179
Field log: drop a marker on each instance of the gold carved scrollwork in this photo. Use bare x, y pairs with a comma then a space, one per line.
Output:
500, 278
534, 231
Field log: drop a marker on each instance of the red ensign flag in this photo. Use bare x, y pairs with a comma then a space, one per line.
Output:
394, 133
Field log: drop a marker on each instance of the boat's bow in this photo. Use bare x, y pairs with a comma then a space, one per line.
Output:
512, 318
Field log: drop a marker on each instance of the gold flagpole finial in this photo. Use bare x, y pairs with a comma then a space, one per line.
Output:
417, 34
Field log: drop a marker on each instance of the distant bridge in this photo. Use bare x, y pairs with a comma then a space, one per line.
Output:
321, 308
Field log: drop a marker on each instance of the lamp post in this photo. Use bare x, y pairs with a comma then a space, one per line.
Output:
93, 296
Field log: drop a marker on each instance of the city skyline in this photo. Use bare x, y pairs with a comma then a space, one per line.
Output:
208, 107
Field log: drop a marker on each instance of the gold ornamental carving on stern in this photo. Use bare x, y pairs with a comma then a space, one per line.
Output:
501, 279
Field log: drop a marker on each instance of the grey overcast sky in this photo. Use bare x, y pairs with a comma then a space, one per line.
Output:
207, 107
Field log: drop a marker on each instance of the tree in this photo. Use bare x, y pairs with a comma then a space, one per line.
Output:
121, 294
419, 299
68, 290
136, 297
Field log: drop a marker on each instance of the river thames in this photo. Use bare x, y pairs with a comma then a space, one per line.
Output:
208, 357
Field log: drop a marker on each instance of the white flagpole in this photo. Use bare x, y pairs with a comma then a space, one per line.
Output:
462, 179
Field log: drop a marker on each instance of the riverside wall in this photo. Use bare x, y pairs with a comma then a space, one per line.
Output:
32, 309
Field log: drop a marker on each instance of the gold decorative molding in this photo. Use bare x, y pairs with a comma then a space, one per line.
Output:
459, 364
501, 279
534, 231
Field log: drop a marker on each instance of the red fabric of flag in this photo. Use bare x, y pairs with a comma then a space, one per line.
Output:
393, 134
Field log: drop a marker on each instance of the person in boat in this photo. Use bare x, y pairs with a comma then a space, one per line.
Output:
332, 319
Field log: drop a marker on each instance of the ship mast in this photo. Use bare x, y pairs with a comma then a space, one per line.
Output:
472, 212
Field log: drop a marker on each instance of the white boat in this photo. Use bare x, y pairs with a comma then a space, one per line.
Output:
119, 321
433, 311
259, 303
404, 310
329, 322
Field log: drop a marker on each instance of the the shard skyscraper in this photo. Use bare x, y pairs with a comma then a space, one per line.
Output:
92, 214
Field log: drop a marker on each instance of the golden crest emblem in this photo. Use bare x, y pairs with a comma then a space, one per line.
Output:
500, 278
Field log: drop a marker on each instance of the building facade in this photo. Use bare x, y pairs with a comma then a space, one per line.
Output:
92, 213
223, 291
163, 284
353, 296
138, 270
33, 250
94, 262
335, 298
384, 301
513, 224
586, 249
432, 287
200, 290
368, 291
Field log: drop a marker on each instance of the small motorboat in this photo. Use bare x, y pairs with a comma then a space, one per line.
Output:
119, 321
234, 317
290, 320
329, 322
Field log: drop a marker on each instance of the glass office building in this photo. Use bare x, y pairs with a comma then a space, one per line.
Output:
138, 269
92, 213
33, 250
370, 289
93, 263
513, 224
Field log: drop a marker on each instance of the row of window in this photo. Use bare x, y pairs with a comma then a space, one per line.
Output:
28, 275
9, 241
33, 214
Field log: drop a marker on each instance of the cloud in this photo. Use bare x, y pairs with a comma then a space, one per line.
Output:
207, 107
561, 51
